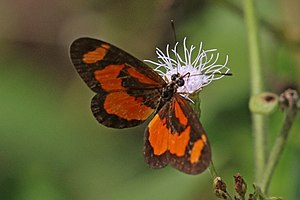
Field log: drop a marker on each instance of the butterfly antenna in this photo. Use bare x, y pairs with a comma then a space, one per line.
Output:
221, 74
175, 43
174, 31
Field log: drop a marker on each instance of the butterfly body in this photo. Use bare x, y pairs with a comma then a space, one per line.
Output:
128, 92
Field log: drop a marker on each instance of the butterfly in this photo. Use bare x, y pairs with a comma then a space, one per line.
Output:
128, 92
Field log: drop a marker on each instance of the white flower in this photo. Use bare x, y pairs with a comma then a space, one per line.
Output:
197, 73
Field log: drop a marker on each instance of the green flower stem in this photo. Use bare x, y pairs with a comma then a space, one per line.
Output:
256, 88
277, 32
212, 170
258, 122
290, 115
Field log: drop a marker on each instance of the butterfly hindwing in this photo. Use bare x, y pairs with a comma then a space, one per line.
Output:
186, 124
176, 136
127, 90
121, 110
156, 139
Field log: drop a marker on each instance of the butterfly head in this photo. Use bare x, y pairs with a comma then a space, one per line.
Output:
177, 80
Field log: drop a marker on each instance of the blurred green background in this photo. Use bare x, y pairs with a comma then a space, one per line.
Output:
51, 147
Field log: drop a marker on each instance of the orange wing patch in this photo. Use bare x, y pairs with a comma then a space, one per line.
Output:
126, 106
196, 151
161, 138
179, 113
158, 135
178, 143
107, 77
96, 55
141, 77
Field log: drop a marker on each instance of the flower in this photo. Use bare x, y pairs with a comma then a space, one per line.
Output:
196, 73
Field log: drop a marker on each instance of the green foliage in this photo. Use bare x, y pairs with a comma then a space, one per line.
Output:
51, 147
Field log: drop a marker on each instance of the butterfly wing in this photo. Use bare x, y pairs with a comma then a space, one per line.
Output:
156, 139
176, 136
127, 90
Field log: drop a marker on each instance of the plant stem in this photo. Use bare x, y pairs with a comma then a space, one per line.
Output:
290, 115
259, 145
212, 170
256, 87
278, 33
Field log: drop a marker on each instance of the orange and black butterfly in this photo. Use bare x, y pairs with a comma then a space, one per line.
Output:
128, 92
